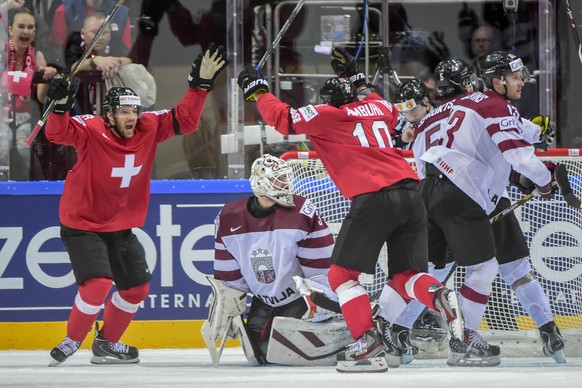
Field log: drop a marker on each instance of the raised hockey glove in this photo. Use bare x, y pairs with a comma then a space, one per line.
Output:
345, 65
253, 84
61, 91
548, 131
206, 67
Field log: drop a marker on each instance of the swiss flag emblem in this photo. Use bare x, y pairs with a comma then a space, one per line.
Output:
17, 82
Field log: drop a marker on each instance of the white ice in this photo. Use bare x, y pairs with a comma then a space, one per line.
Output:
192, 368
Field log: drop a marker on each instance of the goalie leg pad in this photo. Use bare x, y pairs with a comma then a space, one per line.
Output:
226, 303
301, 343
253, 355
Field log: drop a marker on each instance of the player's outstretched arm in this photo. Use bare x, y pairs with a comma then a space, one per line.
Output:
206, 67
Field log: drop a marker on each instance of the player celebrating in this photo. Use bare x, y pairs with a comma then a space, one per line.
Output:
261, 244
354, 143
458, 204
106, 194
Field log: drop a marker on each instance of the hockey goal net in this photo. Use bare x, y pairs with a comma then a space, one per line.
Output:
552, 229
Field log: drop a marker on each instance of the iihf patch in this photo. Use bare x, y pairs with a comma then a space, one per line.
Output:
308, 112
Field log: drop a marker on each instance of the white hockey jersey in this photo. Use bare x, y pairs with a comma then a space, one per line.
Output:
261, 255
475, 140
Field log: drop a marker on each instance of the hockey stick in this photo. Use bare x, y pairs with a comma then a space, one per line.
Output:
280, 35
561, 175
73, 72
573, 24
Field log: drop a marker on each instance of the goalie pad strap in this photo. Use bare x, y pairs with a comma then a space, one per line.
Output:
529, 277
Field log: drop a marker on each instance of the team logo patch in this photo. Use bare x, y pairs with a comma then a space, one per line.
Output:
516, 64
308, 112
308, 209
262, 263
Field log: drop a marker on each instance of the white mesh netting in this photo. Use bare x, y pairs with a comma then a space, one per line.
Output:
552, 229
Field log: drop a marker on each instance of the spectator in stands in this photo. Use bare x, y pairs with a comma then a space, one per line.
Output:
69, 17
484, 40
26, 92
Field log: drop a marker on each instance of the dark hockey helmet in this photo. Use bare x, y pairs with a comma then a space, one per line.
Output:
337, 91
117, 97
499, 64
410, 94
454, 76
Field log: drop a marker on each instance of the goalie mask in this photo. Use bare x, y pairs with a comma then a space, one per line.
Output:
337, 92
272, 177
499, 64
455, 76
116, 98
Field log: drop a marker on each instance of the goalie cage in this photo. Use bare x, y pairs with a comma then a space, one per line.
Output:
552, 229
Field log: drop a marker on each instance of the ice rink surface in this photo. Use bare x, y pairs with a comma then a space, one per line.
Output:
192, 368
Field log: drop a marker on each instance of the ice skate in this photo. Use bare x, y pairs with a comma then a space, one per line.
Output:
447, 301
105, 352
63, 351
428, 328
401, 336
366, 355
473, 351
393, 353
552, 342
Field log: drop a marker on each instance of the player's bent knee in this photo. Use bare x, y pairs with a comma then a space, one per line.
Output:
517, 272
95, 290
137, 294
340, 277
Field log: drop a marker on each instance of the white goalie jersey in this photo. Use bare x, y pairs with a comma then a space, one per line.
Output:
261, 255
475, 140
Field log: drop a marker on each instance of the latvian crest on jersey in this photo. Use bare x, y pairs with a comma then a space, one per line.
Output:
262, 263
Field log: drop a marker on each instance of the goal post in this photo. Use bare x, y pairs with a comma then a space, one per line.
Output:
553, 231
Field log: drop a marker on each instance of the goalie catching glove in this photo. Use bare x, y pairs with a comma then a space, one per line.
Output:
345, 65
206, 67
253, 84
547, 131
61, 91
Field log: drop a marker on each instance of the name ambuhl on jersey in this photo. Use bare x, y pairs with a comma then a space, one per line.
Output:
477, 152
261, 255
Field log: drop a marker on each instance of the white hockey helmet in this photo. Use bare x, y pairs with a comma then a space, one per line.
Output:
272, 177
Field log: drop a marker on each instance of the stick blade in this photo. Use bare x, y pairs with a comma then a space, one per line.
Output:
561, 175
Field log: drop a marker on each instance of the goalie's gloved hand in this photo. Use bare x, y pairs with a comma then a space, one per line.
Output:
547, 130
61, 91
206, 67
253, 83
345, 65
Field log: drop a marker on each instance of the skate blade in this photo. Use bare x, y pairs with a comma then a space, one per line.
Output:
368, 365
559, 356
54, 362
457, 325
393, 361
108, 360
458, 360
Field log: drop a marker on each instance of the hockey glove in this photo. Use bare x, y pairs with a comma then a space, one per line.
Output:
547, 191
206, 67
252, 83
548, 132
345, 65
523, 184
61, 91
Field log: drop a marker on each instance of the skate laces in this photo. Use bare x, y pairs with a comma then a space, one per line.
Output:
476, 341
119, 347
69, 346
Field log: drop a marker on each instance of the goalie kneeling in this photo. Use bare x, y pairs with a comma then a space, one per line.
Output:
261, 244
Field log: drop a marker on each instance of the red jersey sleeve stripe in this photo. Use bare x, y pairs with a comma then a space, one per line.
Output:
229, 276
315, 263
507, 145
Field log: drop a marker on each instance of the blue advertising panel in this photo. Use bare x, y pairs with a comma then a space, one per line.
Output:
36, 280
